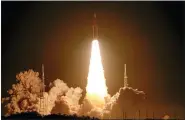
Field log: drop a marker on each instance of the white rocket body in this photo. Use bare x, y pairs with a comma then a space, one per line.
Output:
95, 28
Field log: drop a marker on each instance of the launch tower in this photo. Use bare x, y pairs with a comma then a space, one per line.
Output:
42, 90
125, 77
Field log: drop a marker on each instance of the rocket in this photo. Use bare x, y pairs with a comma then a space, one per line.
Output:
95, 28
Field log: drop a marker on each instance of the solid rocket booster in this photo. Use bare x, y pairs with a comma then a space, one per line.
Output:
95, 28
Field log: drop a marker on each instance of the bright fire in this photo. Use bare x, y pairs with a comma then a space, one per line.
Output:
96, 84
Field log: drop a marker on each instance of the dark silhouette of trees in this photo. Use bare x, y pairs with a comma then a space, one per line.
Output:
35, 115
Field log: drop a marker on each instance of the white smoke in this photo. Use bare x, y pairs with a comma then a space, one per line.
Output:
24, 97
24, 94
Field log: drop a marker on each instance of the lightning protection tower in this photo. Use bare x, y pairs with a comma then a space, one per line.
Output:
125, 77
42, 90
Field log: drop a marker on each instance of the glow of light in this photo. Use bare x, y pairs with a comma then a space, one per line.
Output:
96, 84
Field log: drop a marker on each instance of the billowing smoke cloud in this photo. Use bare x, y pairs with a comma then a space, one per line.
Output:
127, 101
24, 97
24, 94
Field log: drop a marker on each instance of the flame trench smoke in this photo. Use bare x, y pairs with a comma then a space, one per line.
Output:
24, 95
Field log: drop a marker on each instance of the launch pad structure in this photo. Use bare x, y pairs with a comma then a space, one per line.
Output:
125, 77
43, 101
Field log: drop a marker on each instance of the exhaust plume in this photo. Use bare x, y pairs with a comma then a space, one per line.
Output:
96, 83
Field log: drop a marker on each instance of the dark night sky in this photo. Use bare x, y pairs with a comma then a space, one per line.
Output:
147, 36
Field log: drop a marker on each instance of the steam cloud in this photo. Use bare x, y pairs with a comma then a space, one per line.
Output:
24, 97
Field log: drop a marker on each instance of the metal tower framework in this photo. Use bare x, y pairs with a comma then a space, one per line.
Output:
42, 90
125, 77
